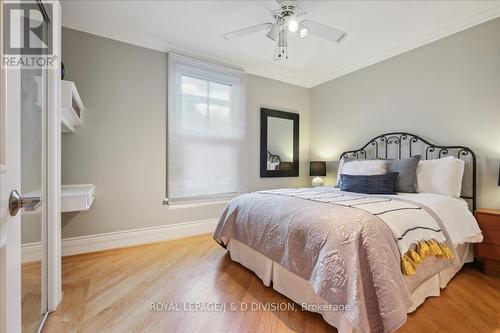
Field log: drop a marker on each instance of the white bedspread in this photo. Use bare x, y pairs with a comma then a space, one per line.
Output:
454, 213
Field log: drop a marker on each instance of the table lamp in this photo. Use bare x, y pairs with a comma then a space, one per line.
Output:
317, 169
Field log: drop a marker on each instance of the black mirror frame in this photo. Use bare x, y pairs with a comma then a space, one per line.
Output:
264, 115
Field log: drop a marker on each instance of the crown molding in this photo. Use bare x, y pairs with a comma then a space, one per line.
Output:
448, 30
170, 48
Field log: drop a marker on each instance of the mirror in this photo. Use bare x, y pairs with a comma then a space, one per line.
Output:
279, 143
32, 131
33, 116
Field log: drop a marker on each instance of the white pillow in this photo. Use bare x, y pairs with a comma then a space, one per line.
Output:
272, 165
364, 167
442, 176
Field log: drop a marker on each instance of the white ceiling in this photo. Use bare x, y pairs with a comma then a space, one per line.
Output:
376, 31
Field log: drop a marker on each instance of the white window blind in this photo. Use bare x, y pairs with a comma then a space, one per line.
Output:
206, 131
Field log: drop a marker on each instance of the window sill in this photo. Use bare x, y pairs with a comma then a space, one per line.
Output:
192, 204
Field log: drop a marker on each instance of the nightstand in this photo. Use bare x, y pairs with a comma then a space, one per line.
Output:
488, 251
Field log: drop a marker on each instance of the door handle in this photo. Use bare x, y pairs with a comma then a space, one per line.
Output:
16, 202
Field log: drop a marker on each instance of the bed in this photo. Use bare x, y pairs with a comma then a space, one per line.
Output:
350, 256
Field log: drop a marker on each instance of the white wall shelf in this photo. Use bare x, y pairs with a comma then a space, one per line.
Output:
71, 107
77, 197
74, 198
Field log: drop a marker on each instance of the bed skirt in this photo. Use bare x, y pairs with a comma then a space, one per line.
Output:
300, 291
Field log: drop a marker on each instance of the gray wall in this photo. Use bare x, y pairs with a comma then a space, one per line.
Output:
447, 91
122, 146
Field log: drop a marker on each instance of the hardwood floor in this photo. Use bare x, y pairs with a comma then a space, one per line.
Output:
31, 291
112, 291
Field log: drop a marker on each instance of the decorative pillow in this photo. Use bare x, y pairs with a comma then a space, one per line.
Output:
375, 184
442, 176
361, 167
364, 167
407, 169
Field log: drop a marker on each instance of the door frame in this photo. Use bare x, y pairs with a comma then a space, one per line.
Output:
53, 175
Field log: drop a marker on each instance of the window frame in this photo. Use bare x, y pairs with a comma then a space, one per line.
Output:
212, 73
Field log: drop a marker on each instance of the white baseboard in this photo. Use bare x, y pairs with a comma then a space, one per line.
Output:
84, 244
31, 252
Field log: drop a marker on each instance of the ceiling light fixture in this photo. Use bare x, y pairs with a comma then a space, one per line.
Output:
281, 49
303, 32
293, 25
273, 32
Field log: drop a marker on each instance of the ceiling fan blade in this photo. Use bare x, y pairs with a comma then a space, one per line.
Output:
247, 30
324, 31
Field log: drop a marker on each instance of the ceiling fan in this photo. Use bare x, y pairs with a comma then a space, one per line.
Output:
286, 21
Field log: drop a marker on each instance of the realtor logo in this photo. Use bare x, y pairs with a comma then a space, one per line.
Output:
27, 35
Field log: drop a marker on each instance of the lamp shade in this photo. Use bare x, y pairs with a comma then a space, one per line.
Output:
317, 168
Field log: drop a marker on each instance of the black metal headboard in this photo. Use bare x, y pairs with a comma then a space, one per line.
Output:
400, 145
273, 158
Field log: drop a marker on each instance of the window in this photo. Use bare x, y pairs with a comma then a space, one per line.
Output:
206, 131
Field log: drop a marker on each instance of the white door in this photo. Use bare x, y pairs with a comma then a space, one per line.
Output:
10, 179
22, 189
28, 112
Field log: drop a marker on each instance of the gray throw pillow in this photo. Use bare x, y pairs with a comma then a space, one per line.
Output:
407, 177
